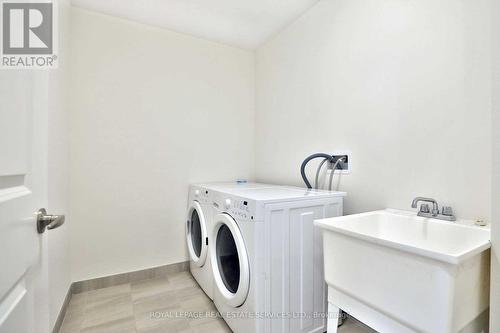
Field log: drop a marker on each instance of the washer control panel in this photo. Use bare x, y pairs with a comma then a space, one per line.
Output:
240, 208
237, 207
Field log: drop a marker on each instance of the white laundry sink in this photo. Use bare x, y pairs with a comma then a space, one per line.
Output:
398, 272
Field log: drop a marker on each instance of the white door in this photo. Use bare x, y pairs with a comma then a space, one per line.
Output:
23, 190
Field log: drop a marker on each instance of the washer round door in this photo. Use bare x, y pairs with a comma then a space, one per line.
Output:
230, 258
196, 234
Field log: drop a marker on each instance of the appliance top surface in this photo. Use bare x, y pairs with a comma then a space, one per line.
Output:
267, 192
282, 193
229, 186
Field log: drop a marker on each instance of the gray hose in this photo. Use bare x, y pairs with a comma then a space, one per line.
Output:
333, 171
307, 160
318, 171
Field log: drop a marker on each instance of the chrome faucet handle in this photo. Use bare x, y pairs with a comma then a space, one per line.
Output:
447, 211
424, 208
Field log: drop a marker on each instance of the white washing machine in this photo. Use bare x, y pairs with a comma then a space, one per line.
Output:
198, 227
267, 258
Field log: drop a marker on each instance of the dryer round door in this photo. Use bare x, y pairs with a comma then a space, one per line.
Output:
230, 258
196, 234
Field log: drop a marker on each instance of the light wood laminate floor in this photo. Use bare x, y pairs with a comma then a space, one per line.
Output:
174, 303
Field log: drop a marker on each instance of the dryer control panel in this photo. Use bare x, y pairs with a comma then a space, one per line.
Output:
201, 195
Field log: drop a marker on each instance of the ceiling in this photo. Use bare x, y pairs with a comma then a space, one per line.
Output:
240, 23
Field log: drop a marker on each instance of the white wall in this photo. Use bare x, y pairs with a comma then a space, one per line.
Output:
495, 227
59, 276
152, 111
404, 85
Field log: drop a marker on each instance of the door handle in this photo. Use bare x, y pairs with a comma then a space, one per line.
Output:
43, 221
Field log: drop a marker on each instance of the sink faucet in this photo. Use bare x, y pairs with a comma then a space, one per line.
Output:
424, 211
425, 208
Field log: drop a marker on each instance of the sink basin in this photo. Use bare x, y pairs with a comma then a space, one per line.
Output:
398, 272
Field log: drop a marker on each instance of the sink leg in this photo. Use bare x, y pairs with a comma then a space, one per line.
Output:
333, 318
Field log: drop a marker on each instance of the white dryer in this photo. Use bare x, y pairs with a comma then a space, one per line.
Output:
198, 226
267, 258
